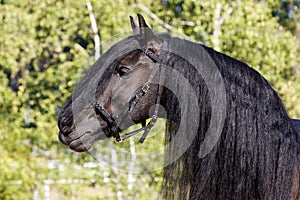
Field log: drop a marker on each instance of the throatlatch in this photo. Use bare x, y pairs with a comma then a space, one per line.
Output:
113, 127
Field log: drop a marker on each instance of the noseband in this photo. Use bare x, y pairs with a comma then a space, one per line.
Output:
110, 119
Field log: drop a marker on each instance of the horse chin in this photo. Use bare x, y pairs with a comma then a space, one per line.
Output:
79, 146
84, 142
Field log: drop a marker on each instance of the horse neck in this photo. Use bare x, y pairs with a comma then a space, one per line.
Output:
257, 136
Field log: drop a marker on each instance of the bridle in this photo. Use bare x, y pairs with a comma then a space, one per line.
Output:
110, 119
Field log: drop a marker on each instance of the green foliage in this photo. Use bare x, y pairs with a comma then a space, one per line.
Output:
251, 32
45, 44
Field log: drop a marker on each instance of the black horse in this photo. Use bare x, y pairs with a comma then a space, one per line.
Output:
228, 134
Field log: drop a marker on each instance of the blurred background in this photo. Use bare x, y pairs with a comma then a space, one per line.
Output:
45, 44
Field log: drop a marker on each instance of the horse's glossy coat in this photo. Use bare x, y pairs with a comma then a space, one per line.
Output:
257, 155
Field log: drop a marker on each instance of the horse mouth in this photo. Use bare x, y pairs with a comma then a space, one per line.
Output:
81, 143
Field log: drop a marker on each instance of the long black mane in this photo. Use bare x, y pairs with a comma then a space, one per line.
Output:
257, 154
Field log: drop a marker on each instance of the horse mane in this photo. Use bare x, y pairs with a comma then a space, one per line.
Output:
257, 154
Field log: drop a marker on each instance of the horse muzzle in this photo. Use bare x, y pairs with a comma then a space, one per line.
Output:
82, 142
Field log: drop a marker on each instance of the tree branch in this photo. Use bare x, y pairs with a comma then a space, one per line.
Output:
155, 17
131, 178
296, 69
95, 30
218, 21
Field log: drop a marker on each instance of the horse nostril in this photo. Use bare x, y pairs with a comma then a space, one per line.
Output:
65, 130
62, 139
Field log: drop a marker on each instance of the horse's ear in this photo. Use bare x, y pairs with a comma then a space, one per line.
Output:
134, 27
146, 32
142, 21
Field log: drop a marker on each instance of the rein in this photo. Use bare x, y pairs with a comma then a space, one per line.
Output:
114, 129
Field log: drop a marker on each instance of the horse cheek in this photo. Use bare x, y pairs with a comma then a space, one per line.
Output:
142, 110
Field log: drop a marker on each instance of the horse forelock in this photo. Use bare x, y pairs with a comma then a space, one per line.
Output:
65, 118
123, 50
94, 82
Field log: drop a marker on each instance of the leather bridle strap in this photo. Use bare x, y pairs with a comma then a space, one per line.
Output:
146, 86
111, 119
158, 98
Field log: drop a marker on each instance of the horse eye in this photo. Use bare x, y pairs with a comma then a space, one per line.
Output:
123, 70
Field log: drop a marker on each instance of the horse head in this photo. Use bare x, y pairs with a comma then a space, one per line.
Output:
231, 135
124, 95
